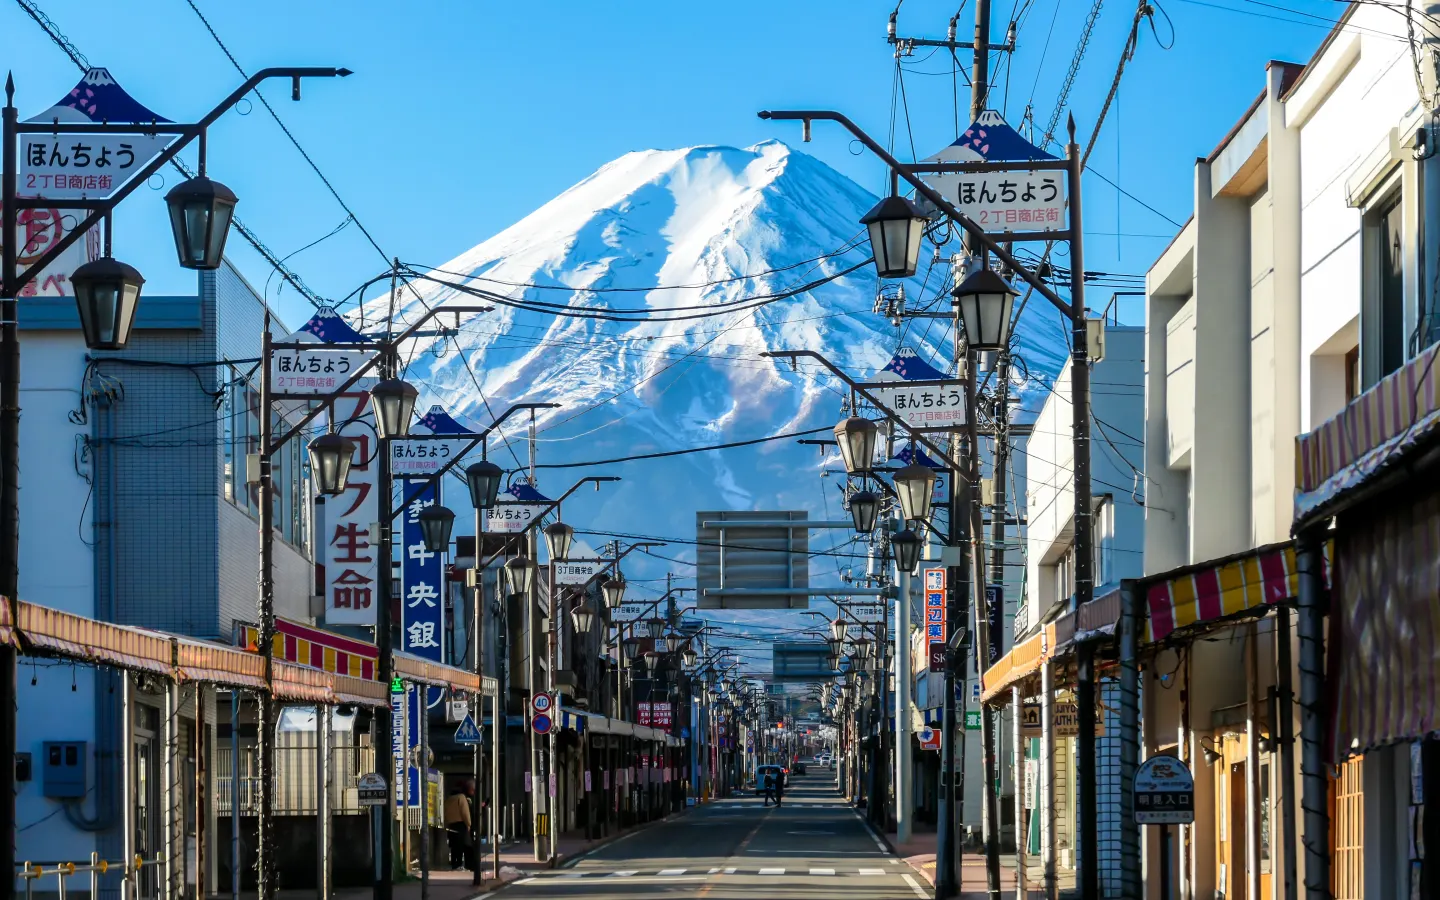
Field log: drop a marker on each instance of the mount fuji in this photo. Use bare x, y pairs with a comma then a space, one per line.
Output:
655, 268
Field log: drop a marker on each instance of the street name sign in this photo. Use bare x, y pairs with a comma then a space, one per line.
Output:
422, 455
1164, 792
582, 565
371, 789
920, 394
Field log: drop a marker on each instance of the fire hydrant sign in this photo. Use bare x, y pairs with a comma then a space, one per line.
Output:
1164, 792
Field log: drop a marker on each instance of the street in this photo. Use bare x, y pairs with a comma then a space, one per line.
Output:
814, 846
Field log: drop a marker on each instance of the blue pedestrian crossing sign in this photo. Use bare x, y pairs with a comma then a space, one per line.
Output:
467, 733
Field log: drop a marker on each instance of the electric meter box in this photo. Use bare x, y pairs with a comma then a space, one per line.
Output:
62, 773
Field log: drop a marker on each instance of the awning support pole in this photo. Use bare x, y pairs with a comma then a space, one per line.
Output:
1311, 630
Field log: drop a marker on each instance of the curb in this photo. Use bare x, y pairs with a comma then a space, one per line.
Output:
884, 840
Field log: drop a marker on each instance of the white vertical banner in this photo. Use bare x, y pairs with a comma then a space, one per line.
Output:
350, 557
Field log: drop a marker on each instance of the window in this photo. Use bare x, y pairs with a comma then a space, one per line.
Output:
1382, 320
1103, 540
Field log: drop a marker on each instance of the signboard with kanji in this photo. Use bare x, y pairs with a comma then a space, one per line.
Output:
422, 574
933, 401
1066, 719
514, 513
348, 548
655, 715
1022, 201
1164, 792
41, 229
935, 635
60, 166
423, 456
312, 371
582, 565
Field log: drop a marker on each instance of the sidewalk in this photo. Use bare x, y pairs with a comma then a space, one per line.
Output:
919, 853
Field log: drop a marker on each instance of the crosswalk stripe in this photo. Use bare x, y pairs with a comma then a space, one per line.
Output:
713, 871
730, 871
872, 871
621, 874
822, 871
671, 872
772, 871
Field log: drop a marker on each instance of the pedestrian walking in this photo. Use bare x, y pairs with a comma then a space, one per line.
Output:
458, 823
769, 785
779, 788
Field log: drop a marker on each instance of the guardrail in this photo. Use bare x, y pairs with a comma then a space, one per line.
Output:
96, 867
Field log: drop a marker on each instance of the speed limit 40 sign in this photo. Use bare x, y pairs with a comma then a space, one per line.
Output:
542, 703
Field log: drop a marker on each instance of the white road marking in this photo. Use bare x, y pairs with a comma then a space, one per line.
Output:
772, 872
822, 871
642, 879
524, 880
872, 872
915, 886
624, 874
667, 872
572, 875
729, 871
713, 871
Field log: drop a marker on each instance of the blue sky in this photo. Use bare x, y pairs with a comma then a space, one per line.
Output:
463, 117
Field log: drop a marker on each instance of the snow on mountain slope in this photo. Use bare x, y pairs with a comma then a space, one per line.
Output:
671, 234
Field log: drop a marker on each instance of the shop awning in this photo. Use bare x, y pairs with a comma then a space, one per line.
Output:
317, 648
573, 719
1218, 589
214, 664
423, 671
302, 684
90, 640
1383, 623
1021, 662
1373, 434
360, 691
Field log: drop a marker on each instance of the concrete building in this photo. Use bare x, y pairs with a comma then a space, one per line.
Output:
1293, 288
1117, 454
134, 510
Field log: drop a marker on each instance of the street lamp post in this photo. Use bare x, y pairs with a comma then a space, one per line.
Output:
107, 295
1074, 311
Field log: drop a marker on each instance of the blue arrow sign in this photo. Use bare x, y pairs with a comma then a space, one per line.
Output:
467, 733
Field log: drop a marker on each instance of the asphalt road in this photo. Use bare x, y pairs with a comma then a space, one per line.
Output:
813, 847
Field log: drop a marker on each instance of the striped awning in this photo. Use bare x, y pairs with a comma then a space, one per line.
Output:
1021, 662
214, 664
1219, 589
317, 648
423, 671
302, 684
81, 638
1378, 428
572, 719
360, 691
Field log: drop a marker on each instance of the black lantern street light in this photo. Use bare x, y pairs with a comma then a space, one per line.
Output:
331, 455
519, 576
839, 628
483, 479
614, 592
907, 551
864, 510
654, 628
915, 487
896, 225
558, 537
985, 300
632, 648
652, 659
436, 523
855, 436
200, 214
107, 293
584, 617
393, 402
690, 657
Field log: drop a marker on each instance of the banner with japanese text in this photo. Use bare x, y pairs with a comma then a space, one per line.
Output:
422, 616
348, 552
